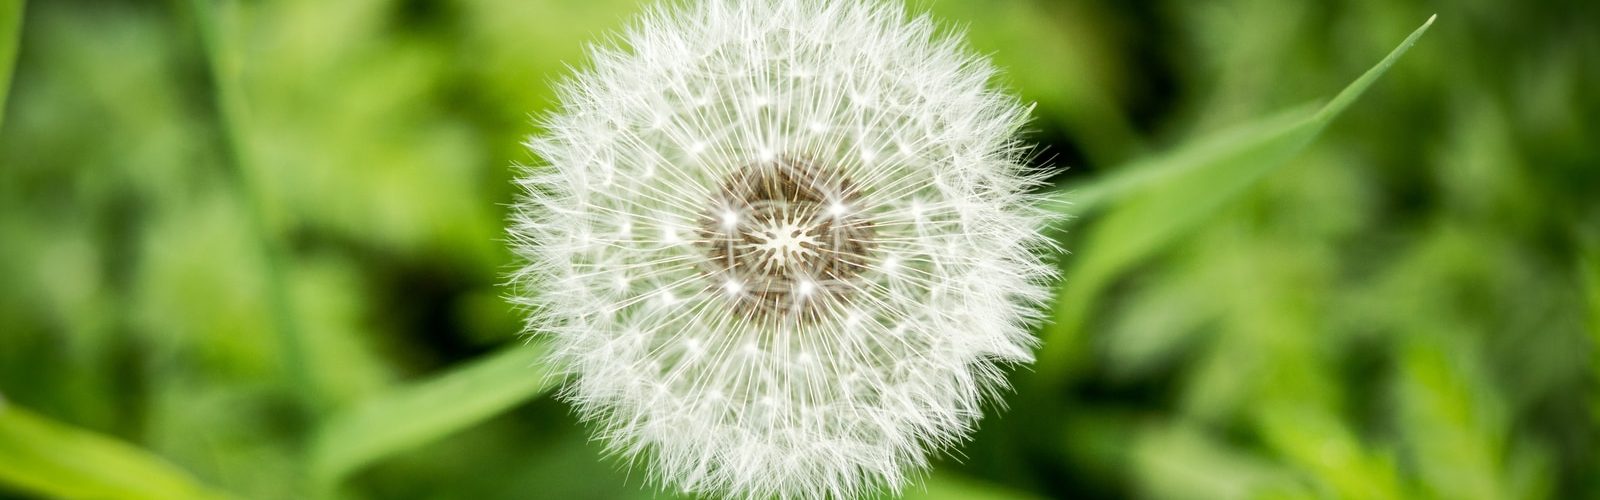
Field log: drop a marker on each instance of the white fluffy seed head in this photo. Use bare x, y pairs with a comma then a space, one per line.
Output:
781, 248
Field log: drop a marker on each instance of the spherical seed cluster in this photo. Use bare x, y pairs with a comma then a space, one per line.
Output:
781, 247
786, 237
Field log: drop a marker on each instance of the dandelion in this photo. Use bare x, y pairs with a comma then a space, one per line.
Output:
781, 248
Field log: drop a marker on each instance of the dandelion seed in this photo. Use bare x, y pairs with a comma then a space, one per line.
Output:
804, 324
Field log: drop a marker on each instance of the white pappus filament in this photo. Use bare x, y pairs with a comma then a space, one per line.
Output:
781, 248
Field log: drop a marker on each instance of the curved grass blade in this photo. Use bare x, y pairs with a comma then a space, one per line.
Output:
1160, 199
409, 416
56, 460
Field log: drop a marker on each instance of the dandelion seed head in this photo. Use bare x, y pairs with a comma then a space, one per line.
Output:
779, 249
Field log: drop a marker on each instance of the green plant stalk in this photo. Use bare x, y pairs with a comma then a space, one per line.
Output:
60, 461
1158, 200
223, 65
11, 12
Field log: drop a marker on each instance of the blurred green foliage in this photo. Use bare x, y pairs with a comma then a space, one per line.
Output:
255, 247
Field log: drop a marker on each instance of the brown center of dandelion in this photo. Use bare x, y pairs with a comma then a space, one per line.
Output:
786, 235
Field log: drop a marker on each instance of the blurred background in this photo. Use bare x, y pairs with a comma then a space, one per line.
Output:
225, 225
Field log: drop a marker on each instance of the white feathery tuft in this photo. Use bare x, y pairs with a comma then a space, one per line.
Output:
781, 248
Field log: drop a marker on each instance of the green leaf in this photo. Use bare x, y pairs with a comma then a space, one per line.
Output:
413, 415
57, 460
10, 38
1159, 199
1144, 174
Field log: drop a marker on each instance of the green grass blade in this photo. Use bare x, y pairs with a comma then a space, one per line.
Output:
10, 39
223, 65
413, 415
1158, 200
1121, 182
1355, 89
56, 460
